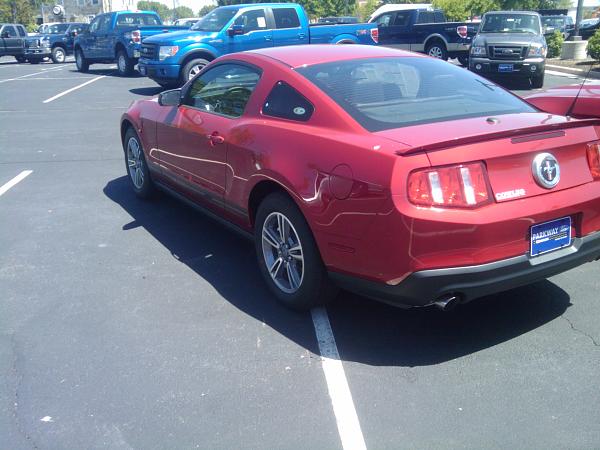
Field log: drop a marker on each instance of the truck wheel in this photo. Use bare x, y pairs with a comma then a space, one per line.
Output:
20, 59
81, 62
58, 55
288, 256
463, 60
537, 82
125, 64
437, 49
192, 68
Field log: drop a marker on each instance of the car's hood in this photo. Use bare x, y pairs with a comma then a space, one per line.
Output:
523, 39
181, 38
445, 134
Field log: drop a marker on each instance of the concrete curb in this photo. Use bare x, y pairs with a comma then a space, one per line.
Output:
594, 74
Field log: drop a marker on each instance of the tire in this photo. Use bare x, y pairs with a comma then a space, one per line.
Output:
59, 55
437, 49
300, 281
463, 60
20, 59
125, 65
537, 82
81, 62
135, 163
191, 69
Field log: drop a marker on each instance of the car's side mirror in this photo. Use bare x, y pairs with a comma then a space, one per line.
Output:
73, 33
4, 34
170, 98
236, 30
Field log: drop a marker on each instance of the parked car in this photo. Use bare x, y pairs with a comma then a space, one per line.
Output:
392, 174
172, 59
117, 36
186, 22
56, 43
588, 29
564, 24
510, 44
569, 100
426, 31
12, 36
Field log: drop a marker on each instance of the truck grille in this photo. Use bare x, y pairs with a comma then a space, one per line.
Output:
507, 52
32, 43
149, 51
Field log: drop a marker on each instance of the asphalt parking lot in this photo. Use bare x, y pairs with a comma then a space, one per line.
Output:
144, 325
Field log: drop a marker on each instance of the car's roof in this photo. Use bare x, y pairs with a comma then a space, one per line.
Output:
308, 55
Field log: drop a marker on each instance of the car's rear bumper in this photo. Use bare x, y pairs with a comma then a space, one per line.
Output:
524, 68
424, 287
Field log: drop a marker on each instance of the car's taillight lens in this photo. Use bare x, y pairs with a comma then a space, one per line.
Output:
136, 36
375, 35
461, 186
593, 157
462, 31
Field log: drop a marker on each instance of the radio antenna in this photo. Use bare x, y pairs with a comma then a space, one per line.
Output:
570, 110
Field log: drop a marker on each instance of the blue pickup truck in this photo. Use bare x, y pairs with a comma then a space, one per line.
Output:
117, 36
172, 59
426, 31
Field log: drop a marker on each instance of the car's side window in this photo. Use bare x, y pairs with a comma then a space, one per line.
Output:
94, 25
384, 20
104, 24
10, 30
287, 103
286, 18
21, 31
224, 89
253, 20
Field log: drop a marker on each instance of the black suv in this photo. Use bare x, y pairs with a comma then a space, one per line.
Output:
510, 44
12, 38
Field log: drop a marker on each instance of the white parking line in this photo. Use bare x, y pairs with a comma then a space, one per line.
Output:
4, 188
33, 74
79, 86
337, 384
561, 74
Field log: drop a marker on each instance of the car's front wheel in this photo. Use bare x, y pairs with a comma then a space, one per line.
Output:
58, 55
137, 169
437, 49
192, 68
80, 61
537, 82
288, 256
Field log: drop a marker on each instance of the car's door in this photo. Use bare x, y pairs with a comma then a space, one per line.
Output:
193, 140
12, 42
257, 32
89, 38
104, 49
394, 29
288, 30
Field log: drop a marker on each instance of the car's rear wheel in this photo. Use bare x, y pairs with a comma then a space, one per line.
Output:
125, 65
192, 68
437, 49
58, 55
288, 256
81, 62
137, 169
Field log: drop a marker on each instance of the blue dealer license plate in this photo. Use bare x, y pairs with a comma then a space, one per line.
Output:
550, 236
505, 67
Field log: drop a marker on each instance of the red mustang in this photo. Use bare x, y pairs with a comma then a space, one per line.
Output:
397, 176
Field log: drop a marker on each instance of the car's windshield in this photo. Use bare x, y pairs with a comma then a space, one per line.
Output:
555, 22
510, 23
60, 28
386, 93
215, 20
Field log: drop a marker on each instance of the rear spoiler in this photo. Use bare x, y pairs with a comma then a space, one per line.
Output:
519, 135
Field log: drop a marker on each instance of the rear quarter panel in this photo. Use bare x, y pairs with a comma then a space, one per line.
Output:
333, 34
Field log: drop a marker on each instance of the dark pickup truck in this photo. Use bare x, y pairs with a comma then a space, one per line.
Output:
426, 31
117, 36
12, 36
56, 43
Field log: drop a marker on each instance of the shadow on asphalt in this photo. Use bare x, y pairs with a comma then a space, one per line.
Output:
367, 332
107, 72
147, 91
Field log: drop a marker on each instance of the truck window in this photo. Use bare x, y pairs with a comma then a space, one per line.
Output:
21, 31
287, 103
59, 28
136, 20
425, 17
104, 24
224, 89
402, 18
253, 20
215, 20
10, 30
439, 17
94, 25
286, 18
384, 20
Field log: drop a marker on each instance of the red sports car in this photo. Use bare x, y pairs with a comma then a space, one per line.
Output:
562, 100
394, 175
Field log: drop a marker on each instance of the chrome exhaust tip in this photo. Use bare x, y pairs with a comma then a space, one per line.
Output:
446, 303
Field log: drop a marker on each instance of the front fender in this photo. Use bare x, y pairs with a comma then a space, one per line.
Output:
198, 48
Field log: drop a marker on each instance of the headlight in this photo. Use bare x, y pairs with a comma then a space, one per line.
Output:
478, 50
167, 51
45, 42
537, 51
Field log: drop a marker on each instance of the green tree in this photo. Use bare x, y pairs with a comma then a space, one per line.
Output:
163, 11
205, 10
181, 12
455, 10
365, 10
16, 11
593, 48
480, 7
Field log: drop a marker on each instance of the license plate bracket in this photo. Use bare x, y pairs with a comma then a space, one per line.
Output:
550, 236
505, 67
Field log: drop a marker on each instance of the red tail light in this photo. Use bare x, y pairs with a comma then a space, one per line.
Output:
462, 31
593, 157
136, 36
462, 186
375, 35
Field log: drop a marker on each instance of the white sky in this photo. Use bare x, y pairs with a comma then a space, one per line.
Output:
194, 4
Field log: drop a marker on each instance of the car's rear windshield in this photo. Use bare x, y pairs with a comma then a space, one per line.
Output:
59, 28
137, 19
215, 20
510, 23
386, 93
